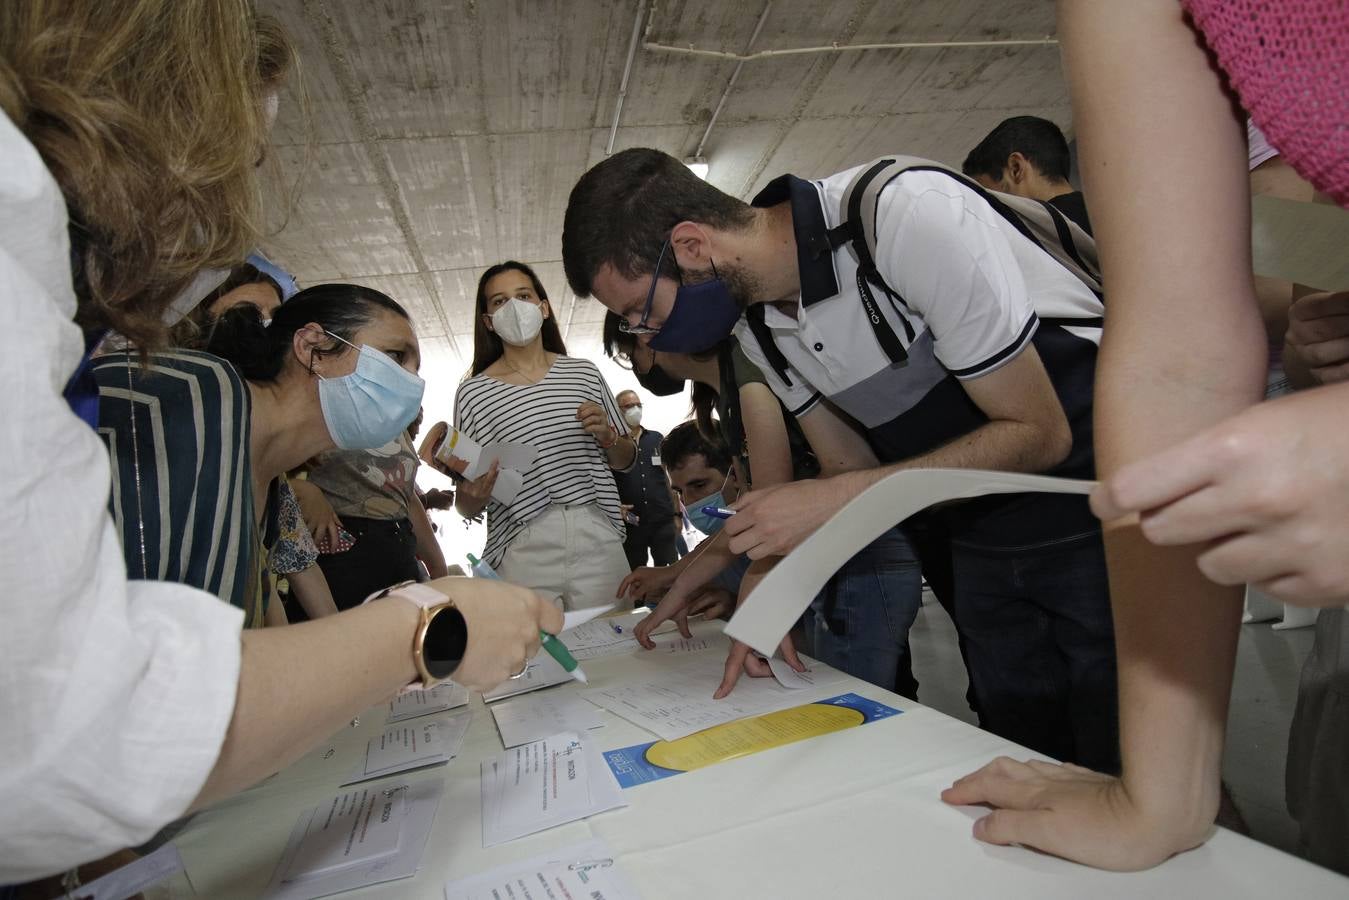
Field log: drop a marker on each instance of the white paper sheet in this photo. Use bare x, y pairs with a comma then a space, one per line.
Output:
578, 617
420, 801
584, 870
679, 644
412, 745
514, 459
355, 828
440, 698
133, 878
544, 784
769, 612
1301, 242
535, 717
789, 677
543, 671
609, 636
598, 638
677, 699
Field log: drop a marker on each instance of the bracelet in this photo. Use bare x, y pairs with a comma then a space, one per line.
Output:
610, 444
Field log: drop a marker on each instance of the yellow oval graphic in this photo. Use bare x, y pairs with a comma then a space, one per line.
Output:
746, 736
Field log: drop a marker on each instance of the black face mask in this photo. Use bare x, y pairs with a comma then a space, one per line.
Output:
659, 382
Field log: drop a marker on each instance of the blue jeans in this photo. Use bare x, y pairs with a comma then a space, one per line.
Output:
1041, 647
860, 622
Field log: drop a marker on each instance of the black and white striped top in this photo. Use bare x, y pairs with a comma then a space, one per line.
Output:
571, 470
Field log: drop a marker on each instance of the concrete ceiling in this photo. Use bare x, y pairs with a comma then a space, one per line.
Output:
428, 139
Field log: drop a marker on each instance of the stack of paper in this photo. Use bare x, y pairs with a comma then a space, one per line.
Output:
528, 719
544, 784
412, 745
581, 871
441, 698
361, 837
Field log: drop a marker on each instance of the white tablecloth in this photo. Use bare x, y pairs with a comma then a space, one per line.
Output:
848, 815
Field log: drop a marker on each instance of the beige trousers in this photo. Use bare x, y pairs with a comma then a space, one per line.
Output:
571, 553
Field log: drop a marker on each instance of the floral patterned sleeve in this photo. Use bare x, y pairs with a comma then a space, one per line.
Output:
294, 550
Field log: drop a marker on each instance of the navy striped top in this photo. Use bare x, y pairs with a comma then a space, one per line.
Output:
194, 494
571, 468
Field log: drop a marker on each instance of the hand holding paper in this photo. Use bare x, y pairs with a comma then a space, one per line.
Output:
770, 610
1254, 485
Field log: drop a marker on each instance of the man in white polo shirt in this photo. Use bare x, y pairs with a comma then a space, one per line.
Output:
970, 347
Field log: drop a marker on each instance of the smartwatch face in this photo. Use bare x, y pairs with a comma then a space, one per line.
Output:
446, 639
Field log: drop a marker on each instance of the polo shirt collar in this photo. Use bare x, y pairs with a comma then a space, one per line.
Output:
814, 253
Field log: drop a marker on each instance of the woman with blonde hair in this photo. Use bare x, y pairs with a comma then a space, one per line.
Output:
131, 135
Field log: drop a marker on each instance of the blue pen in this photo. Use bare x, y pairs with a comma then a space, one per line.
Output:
718, 512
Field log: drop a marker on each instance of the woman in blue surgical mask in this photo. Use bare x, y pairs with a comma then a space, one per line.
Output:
555, 527
360, 500
201, 441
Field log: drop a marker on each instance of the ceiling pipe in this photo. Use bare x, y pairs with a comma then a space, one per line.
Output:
627, 70
763, 17
844, 48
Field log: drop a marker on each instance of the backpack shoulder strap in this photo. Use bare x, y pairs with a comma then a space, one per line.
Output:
1039, 222
754, 315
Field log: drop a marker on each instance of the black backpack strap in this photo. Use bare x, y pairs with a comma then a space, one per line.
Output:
754, 315
859, 227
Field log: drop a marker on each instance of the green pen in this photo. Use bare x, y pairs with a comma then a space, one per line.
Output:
556, 649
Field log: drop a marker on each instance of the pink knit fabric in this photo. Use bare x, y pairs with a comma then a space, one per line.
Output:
1288, 61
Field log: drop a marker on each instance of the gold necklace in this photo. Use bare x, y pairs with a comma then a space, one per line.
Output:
528, 379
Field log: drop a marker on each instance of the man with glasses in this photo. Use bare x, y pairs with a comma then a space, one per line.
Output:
955, 367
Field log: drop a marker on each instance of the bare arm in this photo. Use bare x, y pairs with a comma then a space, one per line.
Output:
299, 684
428, 548
838, 444
311, 591
1027, 431
765, 435
331, 669
1184, 347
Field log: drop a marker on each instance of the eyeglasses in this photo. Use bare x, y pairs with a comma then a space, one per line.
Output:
641, 327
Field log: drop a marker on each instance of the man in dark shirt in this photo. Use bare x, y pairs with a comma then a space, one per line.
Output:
649, 510
1028, 156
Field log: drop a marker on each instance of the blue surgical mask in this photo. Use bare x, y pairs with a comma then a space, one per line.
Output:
702, 315
708, 525
372, 405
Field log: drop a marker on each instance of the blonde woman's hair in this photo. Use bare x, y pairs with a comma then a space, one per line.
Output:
150, 115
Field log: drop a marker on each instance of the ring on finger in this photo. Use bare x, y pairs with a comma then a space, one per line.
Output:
523, 666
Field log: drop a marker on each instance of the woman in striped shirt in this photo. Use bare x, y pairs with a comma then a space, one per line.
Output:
563, 532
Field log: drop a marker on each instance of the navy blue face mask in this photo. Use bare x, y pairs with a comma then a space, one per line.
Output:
702, 315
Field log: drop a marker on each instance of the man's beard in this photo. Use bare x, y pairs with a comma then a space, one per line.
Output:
744, 286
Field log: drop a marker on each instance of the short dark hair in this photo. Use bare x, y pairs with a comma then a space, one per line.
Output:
487, 347
624, 208
685, 440
259, 351
1039, 140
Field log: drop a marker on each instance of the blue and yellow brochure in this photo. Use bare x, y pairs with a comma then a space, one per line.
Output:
642, 763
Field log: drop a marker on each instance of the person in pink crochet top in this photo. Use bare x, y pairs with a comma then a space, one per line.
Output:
1202, 489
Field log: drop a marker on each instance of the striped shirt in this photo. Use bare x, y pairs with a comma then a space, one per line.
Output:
188, 515
571, 469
